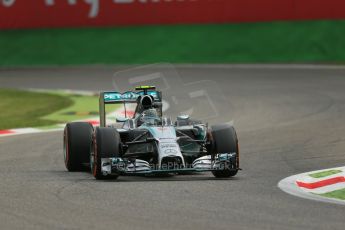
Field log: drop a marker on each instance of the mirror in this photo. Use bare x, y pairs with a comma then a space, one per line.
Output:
183, 117
121, 119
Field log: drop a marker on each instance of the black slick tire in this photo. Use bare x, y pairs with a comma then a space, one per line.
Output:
225, 140
77, 140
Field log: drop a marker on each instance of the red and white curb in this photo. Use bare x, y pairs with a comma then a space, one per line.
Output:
11, 132
94, 121
305, 186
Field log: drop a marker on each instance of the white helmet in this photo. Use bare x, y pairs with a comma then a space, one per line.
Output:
150, 113
149, 116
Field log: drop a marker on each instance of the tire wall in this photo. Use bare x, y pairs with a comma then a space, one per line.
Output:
16, 14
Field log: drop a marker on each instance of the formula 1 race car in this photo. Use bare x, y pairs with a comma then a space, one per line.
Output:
149, 143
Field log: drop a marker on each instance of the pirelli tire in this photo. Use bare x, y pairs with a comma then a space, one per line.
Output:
77, 140
106, 144
225, 140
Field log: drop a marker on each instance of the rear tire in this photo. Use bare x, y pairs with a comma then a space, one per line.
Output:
77, 145
106, 144
225, 141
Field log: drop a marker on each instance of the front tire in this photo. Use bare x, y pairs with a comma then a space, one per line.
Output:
225, 141
77, 145
106, 144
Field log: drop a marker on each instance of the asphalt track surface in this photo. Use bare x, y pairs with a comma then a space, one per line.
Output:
289, 120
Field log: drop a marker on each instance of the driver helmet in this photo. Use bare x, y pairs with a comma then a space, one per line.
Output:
149, 115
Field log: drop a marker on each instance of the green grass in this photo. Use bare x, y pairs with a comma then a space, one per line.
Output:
307, 41
83, 107
338, 194
26, 109
45, 109
324, 173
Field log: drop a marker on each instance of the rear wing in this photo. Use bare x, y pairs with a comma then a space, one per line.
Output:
112, 97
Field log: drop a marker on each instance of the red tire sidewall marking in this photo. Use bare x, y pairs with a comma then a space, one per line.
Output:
94, 171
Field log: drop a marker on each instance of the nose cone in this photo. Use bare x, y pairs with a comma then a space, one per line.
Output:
163, 133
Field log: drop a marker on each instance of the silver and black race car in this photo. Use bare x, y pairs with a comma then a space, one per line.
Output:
149, 143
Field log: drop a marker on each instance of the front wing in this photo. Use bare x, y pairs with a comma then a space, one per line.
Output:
120, 166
